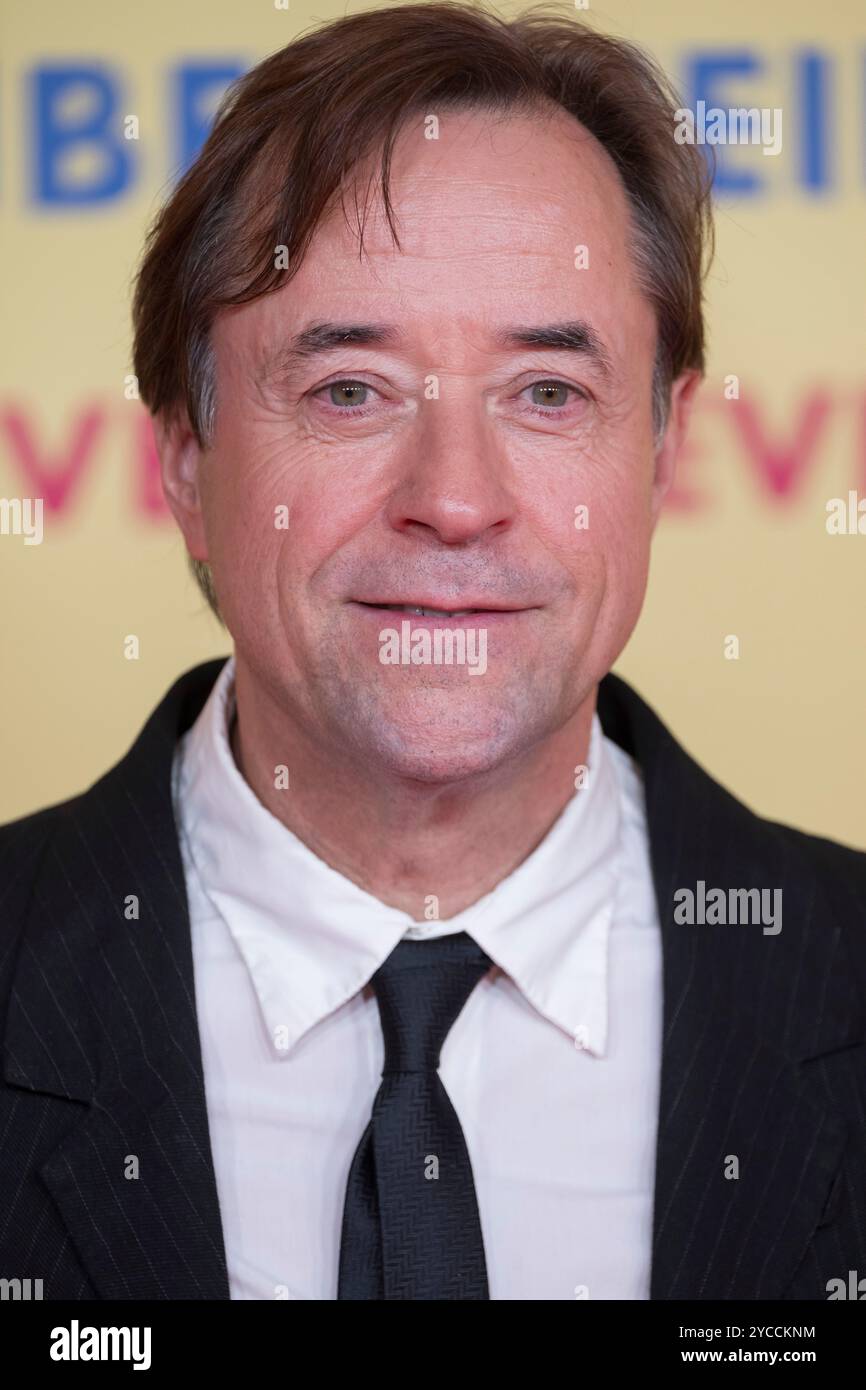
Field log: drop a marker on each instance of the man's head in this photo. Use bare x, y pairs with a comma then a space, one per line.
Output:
481, 412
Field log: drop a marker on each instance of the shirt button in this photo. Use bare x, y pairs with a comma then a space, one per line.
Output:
581, 1036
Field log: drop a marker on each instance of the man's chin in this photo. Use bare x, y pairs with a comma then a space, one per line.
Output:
443, 741
440, 767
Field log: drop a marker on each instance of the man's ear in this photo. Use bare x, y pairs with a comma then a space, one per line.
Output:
681, 401
180, 457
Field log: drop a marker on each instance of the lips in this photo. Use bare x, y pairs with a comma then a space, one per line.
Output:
426, 612
429, 610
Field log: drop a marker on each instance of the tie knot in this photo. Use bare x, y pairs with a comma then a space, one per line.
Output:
420, 989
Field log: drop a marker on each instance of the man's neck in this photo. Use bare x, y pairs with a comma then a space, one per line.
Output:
408, 844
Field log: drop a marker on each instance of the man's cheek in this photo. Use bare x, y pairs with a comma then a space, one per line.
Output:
598, 531
246, 555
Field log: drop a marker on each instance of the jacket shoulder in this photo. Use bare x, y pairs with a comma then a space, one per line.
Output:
23, 845
839, 868
22, 841
827, 880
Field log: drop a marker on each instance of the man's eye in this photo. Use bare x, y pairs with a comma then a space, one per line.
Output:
344, 395
552, 394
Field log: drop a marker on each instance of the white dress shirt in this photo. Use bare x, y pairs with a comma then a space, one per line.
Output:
552, 1066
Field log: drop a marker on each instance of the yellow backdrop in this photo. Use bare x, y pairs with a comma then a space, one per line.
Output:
100, 102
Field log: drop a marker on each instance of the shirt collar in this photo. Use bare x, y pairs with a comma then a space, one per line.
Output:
311, 938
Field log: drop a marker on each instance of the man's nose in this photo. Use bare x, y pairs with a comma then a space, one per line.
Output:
453, 484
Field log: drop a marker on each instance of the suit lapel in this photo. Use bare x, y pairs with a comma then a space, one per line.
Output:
743, 1012
103, 1015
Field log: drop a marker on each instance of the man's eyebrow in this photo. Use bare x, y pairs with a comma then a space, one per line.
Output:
574, 335
323, 337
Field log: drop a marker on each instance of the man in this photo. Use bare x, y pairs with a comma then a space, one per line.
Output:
407, 955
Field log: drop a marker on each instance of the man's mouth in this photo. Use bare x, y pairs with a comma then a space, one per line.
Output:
426, 612
482, 610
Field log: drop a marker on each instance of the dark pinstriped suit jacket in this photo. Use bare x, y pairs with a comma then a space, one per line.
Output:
764, 1053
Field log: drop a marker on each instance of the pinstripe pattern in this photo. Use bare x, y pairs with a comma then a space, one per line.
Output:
764, 1045
764, 1041
101, 1010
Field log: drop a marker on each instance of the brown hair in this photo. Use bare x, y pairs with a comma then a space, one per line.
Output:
289, 134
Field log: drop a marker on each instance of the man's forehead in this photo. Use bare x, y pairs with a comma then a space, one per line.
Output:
473, 145
520, 184
481, 278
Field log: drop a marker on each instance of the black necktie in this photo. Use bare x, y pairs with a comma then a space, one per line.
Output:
410, 1224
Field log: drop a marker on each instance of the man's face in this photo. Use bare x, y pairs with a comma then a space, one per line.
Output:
446, 466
